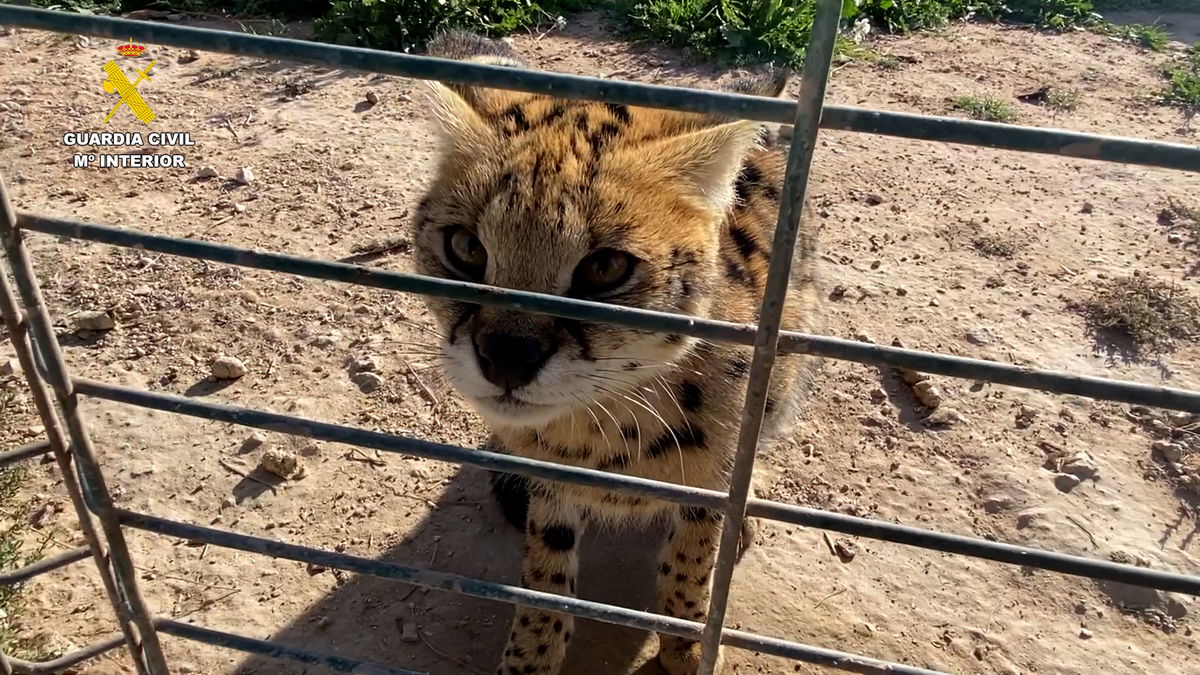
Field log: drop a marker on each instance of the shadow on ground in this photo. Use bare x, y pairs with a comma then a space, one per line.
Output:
365, 617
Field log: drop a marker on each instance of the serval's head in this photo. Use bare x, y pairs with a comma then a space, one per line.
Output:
574, 198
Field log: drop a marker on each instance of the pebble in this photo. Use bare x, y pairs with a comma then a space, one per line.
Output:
878, 394
1085, 633
244, 176
253, 441
189, 56
845, 549
945, 417
95, 320
372, 97
279, 462
1065, 482
1025, 416
1174, 238
928, 394
367, 381
207, 172
863, 336
9, 367
364, 364
1081, 465
309, 449
228, 368
1028, 517
980, 336
1171, 452
1181, 419
998, 503
228, 503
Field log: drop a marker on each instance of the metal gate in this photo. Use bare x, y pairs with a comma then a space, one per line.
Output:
56, 392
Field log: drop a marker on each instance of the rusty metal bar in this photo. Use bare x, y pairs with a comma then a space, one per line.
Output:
43, 566
122, 588
25, 452
67, 661
789, 233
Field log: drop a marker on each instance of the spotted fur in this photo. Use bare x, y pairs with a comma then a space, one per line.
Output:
537, 193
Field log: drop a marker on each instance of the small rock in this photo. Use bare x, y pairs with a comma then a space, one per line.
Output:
207, 172
9, 367
1087, 208
228, 503
945, 417
1085, 633
981, 336
254, 441
309, 449
408, 631
1081, 465
928, 394
244, 176
279, 462
228, 368
1025, 416
873, 199
1028, 517
1065, 482
838, 292
189, 56
845, 549
363, 364
367, 381
1171, 452
372, 97
324, 622
934, 302
878, 394
95, 320
324, 341
911, 377
1174, 238
863, 336
876, 264
1180, 418
239, 208
998, 503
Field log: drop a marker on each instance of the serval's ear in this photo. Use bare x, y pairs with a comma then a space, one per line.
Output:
463, 46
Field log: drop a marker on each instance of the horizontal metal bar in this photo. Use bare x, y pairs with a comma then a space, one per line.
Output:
503, 593
275, 650
798, 515
977, 548
44, 565
66, 661
414, 575
1005, 136
816, 655
25, 452
708, 329
333, 433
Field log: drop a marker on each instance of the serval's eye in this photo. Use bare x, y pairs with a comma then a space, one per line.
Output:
466, 253
602, 271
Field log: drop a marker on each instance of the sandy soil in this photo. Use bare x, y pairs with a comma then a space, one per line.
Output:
898, 221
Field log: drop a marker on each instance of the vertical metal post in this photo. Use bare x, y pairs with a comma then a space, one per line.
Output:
815, 76
121, 585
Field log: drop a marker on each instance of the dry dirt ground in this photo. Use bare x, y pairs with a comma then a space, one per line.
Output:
899, 223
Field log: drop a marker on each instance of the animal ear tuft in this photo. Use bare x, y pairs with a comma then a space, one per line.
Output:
463, 130
709, 160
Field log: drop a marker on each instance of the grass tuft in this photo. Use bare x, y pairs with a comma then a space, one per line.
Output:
1153, 315
988, 108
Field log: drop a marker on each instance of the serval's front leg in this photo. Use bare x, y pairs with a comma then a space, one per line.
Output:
684, 573
538, 640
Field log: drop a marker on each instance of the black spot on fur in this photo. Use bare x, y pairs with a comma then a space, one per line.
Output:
512, 494
518, 652
618, 462
581, 122
749, 178
632, 366
559, 537
512, 670
664, 569
567, 636
686, 437
689, 604
517, 115
542, 649
681, 577
673, 339
736, 271
602, 136
691, 397
698, 514
558, 578
558, 626
525, 621
556, 113
529, 669
738, 366
538, 576
770, 405
620, 112
744, 241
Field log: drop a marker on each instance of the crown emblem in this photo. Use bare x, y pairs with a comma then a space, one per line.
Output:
130, 49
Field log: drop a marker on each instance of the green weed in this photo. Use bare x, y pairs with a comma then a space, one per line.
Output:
987, 108
1183, 83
